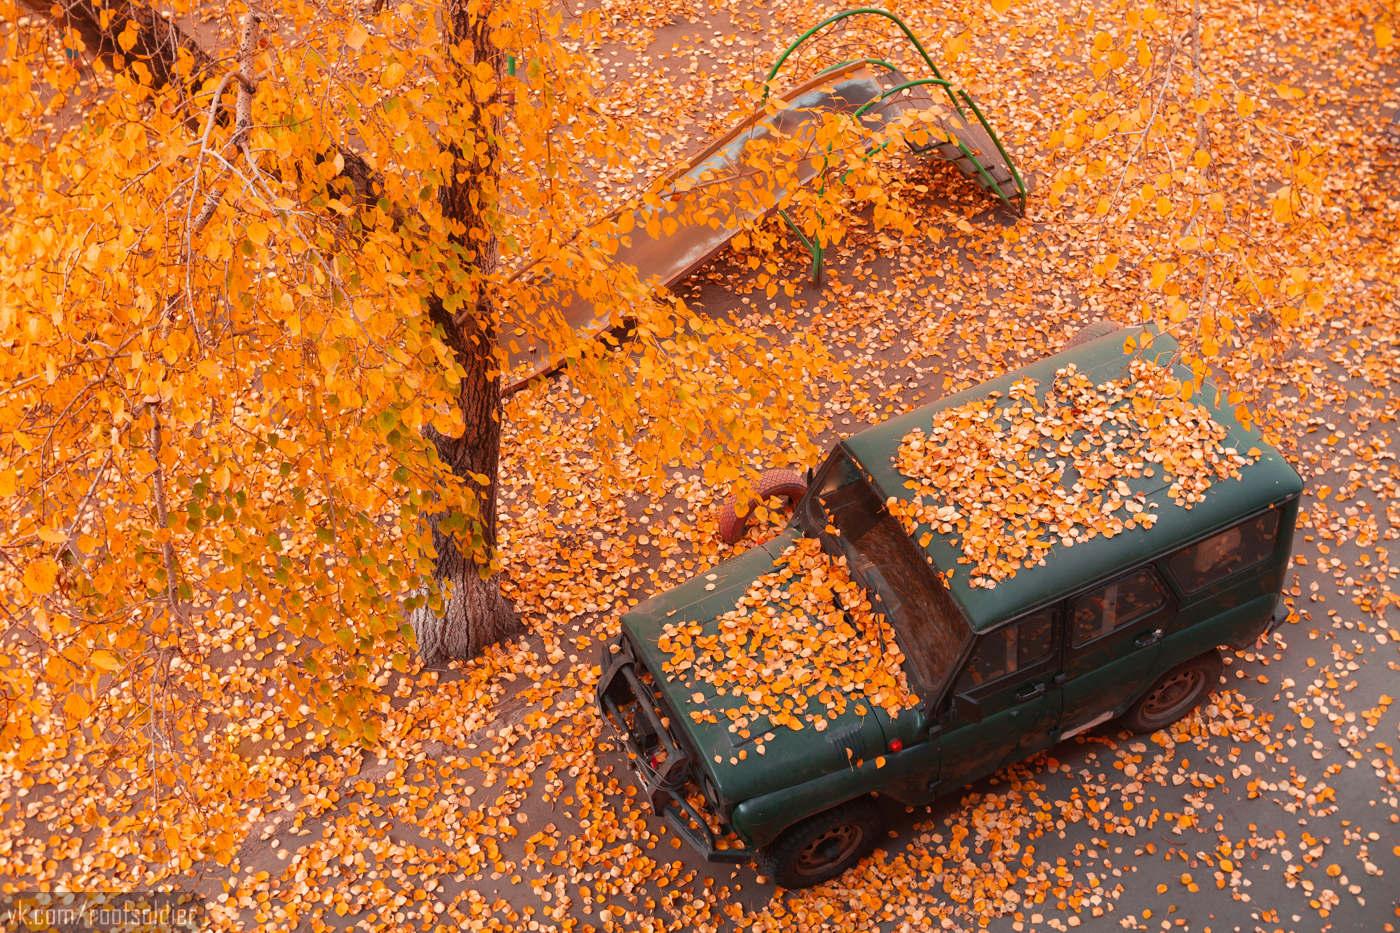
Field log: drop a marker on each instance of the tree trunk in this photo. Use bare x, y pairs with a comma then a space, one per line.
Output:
158, 40
476, 615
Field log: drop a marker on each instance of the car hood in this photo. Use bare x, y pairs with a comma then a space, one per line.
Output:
792, 755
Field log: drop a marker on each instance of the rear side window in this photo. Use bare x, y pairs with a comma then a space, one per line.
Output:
1214, 559
1005, 652
1121, 603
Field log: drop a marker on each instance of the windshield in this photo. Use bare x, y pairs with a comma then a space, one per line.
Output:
881, 555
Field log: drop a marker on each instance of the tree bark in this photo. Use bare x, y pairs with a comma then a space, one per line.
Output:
158, 40
476, 615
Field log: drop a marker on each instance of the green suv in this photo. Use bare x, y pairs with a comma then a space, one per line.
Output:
961, 587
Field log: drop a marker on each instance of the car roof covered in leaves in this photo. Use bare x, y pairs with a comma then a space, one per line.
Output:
1068, 569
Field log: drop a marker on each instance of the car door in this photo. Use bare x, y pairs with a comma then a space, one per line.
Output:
1113, 639
999, 697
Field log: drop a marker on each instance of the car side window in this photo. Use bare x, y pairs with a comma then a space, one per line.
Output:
1121, 603
1007, 651
1217, 557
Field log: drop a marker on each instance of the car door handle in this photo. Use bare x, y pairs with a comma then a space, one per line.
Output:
1030, 691
1148, 638
1059, 678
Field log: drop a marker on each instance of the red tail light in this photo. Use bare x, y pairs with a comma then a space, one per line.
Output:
896, 745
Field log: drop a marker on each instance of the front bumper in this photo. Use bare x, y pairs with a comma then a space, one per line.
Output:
660, 758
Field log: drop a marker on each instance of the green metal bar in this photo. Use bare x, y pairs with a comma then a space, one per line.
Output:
814, 246
1020, 184
782, 212
510, 65
908, 33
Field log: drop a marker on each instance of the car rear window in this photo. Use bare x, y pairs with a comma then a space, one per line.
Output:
1234, 549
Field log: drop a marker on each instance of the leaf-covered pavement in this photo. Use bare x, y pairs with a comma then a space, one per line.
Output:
497, 801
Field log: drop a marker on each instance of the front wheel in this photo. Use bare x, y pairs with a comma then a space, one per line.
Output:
1175, 694
821, 847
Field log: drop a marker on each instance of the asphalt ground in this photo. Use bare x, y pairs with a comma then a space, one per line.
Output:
499, 802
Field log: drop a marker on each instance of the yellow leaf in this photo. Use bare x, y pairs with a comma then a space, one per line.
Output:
1244, 105
51, 536
392, 75
1001, 6
8, 479
1202, 158
880, 762
76, 707
39, 577
127, 39
955, 47
105, 660
356, 37
1159, 274
1384, 35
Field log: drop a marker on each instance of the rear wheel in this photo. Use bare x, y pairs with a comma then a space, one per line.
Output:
1092, 332
1175, 694
821, 847
786, 483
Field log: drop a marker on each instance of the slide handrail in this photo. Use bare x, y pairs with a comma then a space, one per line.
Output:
1006, 156
981, 169
868, 11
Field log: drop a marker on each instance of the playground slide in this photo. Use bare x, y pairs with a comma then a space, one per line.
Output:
855, 89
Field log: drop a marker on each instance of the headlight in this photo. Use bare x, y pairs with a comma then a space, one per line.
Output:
721, 807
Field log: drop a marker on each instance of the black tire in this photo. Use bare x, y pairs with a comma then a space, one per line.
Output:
1092, 332
822, 846
1175, 694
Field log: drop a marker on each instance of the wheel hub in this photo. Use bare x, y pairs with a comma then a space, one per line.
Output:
1173, 693
829, 849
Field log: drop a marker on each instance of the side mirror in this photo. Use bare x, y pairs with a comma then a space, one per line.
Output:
966, 708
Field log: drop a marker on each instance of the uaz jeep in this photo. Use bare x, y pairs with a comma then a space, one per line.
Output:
961, 587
